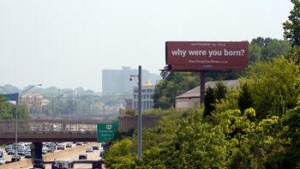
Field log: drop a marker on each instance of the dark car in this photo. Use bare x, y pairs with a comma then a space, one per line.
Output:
21, 153
60, 147
97, 165
79, 143
11, 152
38, 163
102, 154
95, 147
82, 156
69, 145
15, 158
8, 147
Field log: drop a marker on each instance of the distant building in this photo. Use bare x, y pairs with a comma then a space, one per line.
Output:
34, 102
116, 81
146, 99
191, 98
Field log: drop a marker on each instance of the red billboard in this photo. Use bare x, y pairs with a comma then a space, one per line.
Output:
204, 56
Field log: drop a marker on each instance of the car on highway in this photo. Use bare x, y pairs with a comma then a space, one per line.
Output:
27, 155
62, 164
102, 154
60, 147
79, 143
89, 150
69, 145
97, 165
2, 161
45, 150
95, 147
15, 158
38, 163
8, 147
21, 152
82, 156
10, 152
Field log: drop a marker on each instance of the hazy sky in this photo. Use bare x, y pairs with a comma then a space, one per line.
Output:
67, 43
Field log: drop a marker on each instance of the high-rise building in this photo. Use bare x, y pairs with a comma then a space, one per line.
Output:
147, 92
116, 81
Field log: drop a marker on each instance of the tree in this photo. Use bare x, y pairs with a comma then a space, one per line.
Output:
292, 25
264, 49
6, 109
274, 86
245, 98
212, 96
209, 101
292, 31
130, 111
176, 83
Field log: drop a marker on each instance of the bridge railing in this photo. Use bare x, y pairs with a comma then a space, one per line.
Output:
8, 126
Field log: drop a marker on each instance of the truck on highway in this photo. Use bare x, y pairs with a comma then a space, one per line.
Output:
97, 164
61, 164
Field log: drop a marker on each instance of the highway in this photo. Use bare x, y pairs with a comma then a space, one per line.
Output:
69, 154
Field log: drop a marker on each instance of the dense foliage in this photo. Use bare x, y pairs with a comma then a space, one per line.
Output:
292, 25
8, 111
255, 126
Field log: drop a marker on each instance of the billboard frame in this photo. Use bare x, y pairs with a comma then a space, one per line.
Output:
206, 55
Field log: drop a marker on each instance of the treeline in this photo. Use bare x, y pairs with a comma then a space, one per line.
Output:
255, 126
59, 102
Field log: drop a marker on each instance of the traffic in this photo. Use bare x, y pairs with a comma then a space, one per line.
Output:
70, 155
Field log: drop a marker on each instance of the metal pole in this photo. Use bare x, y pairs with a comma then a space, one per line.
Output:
52, 112
202, 87
16, 135
140, 114
16, 139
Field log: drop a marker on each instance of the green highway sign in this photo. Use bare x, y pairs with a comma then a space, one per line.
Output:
106, 132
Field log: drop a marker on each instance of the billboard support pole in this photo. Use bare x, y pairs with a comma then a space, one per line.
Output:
202, 87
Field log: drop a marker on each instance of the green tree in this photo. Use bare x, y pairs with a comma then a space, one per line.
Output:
245, 99
274, 86
264, 49
175, 84
209, 101
131, 112
291, 121
6, 109
292, 25
212, 96
121, 155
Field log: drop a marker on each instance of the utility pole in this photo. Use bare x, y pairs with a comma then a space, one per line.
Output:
140, 124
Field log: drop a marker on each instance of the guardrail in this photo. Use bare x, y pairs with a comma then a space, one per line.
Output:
48, 130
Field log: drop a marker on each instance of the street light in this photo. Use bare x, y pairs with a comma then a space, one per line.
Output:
16, 135
57, 98
140, 123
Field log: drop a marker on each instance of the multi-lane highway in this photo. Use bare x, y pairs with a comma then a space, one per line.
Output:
69, 154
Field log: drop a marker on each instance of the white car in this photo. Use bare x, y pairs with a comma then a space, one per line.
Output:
2, 161
89, 149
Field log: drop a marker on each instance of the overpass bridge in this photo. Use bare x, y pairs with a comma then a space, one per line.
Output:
48, 130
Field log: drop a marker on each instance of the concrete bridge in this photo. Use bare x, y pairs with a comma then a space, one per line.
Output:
55, 130
48, 130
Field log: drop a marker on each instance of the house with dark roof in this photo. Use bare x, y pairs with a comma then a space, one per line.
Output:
191, 98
